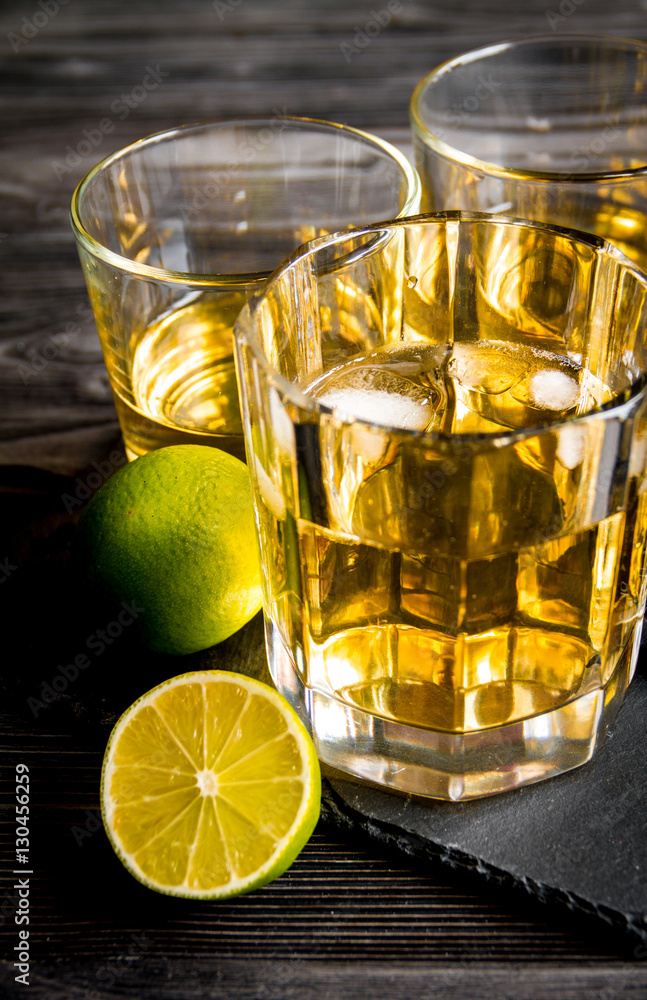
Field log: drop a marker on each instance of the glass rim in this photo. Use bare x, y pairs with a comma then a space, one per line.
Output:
290, 392
456, 155
198, 280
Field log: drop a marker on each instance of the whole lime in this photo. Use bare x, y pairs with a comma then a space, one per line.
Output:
172, 536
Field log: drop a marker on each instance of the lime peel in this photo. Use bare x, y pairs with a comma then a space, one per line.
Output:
244, 830
173, 534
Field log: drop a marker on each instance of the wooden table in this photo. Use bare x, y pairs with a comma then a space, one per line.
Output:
346, 920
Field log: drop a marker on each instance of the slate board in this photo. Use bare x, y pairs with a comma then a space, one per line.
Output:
579, 839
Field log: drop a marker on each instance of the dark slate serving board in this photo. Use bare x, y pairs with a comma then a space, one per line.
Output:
579, 839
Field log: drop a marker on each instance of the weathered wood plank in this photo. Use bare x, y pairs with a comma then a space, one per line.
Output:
344, 920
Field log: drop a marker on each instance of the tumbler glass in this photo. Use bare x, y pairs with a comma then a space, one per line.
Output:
175, 231
545, 128
446, 429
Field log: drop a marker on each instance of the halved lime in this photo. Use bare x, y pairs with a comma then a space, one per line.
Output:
210, 785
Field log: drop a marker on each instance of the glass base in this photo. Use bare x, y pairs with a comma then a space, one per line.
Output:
444, 765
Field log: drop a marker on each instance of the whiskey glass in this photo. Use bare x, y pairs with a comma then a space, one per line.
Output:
446, 429
547, 128
177, 230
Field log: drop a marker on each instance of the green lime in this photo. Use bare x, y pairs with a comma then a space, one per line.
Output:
172, 536
210, 786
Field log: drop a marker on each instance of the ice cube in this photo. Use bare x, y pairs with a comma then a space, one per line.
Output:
638, 460
368, 442
553, 390
391, 389
571, 445
270, 493
593, 392
484, 369
282, 427
376, 406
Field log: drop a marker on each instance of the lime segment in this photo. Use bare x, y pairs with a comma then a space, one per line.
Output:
210, 786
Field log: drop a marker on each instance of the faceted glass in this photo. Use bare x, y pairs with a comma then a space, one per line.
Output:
446, 427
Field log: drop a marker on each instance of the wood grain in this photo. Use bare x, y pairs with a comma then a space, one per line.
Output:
231, 58
344, 920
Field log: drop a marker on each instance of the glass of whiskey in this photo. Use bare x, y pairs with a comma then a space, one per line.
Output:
446, 429
176, 231
548, 128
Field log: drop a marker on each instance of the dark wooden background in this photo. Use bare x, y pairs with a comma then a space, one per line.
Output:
346, 920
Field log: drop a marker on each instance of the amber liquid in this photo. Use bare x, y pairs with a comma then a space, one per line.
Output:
183, 380
180, 386
592, 207
447, 593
